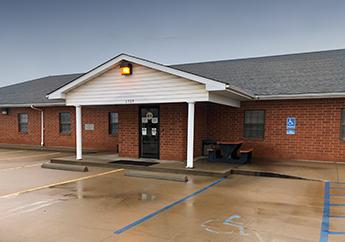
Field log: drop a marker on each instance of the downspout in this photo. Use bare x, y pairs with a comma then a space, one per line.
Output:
42, 123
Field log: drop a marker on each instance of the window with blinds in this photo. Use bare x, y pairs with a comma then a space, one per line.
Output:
254, 124
342, 124
65, 123
113, 123
23, 121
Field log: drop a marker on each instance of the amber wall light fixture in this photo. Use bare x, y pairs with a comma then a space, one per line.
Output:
126, 68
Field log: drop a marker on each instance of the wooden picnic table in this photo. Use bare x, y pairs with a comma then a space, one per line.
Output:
230, 148
227, 151
229, 142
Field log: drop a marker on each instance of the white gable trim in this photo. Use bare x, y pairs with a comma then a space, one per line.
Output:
221, 99
211, 85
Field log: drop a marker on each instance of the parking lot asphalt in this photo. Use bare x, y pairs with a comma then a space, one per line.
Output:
104, 205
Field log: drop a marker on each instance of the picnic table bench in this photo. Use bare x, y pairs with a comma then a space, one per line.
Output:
227, 151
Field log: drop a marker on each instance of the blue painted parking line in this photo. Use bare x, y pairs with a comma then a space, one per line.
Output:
326, 210
325, 217
335, 232
337, 195
151, 215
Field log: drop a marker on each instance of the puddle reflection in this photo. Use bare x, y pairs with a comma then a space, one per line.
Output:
147, 196
80, 191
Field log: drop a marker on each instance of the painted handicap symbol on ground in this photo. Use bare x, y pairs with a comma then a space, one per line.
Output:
211, 225
229, 221
230, 226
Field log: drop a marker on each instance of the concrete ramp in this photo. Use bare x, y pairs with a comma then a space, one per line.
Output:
268, 174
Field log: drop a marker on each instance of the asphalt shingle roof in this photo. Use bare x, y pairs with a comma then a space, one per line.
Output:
34, 91
315, 72
305, 73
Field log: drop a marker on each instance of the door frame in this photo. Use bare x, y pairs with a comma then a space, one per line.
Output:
159, 129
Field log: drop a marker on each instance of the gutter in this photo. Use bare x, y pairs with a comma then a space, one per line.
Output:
301, 96
42, 123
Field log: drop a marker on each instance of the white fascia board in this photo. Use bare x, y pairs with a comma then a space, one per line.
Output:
211, 85
56, 95
24, 105
141, 101
300, 96
221, 99
239, 92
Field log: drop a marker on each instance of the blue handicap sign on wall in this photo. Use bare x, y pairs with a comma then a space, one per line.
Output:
291, 123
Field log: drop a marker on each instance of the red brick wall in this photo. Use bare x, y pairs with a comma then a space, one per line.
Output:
9, 127
98, 139
52, 135
200, 127
173, 125
173, 131
317, 134
128, 132
317, 137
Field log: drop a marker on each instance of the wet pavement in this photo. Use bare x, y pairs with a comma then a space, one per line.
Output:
92, 206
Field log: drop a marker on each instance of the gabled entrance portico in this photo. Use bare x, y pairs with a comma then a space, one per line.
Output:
149, 84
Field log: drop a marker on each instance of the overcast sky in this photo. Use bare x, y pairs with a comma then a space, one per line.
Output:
47, 37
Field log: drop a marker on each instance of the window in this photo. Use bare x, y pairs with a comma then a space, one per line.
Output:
23, 121
113, 123
65, 123
254, 124
342, 124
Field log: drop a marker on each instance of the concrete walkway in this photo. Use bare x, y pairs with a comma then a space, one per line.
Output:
321, 171
332, 171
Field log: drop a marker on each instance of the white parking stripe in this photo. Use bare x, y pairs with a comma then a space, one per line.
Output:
59, 183
11, 152
29, 156
28, 208
20, 167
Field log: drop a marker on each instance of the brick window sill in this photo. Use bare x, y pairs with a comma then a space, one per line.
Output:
65, 134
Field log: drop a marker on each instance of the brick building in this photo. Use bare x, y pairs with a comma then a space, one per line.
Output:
285, 107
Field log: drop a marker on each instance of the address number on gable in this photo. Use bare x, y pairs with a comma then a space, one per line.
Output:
129, 101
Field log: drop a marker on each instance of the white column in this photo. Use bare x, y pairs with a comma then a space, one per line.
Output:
78, 134
190, 135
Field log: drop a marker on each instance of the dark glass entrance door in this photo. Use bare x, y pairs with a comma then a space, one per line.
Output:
149, 132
